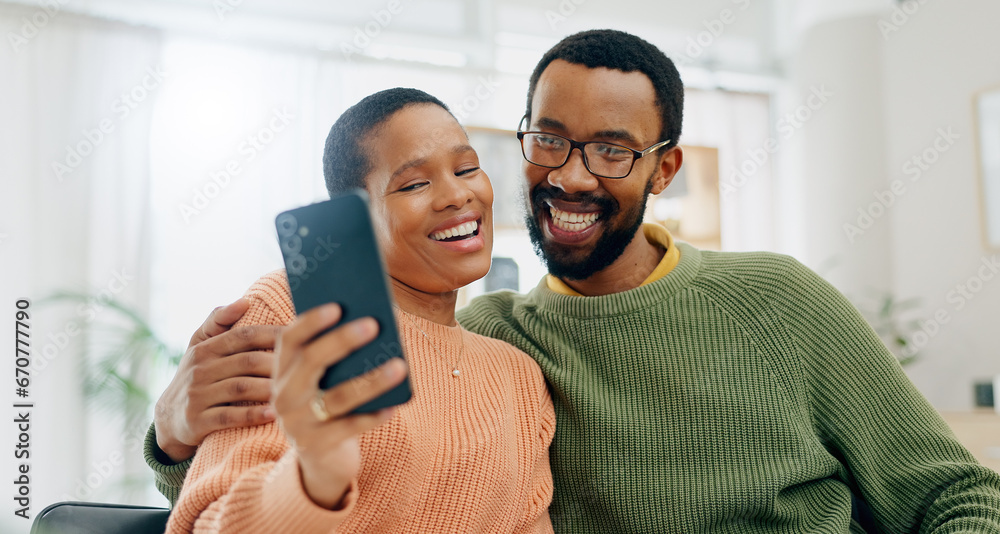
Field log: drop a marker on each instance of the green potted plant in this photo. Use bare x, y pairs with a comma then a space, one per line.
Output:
119, 352
884, 313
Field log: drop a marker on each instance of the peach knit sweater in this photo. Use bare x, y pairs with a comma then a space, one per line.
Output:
466, 454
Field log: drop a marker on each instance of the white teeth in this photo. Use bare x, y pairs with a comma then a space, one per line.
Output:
462, 229
572, 221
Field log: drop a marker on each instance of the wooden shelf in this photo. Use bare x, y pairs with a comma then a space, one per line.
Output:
979, 431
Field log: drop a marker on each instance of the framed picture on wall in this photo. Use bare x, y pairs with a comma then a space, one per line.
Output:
987, 115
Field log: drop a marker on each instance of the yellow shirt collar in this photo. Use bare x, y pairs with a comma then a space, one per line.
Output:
656, 234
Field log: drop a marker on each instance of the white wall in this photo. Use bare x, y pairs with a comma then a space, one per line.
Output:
836, 72
898, 81
934, 64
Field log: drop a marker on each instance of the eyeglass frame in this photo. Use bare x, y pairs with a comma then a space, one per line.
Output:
636, 154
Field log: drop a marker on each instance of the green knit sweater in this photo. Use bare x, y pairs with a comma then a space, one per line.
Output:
740, 393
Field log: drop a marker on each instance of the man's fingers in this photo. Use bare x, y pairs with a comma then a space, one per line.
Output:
236, 389
240, 416
345, 397
223, 417
220, 320
229, 314
240, 340
253, 363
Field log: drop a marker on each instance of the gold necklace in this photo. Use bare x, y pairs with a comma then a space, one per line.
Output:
454, 368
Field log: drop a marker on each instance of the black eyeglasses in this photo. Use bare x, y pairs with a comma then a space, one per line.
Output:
607, 160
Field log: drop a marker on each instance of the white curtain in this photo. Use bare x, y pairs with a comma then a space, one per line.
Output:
75, 108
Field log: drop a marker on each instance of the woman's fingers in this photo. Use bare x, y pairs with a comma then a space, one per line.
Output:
294, 404
343, 398
305, 370
303, 329
304, 362
328, 449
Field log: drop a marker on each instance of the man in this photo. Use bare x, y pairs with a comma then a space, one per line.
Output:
697, 391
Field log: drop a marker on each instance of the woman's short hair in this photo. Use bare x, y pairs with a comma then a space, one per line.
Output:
345, 156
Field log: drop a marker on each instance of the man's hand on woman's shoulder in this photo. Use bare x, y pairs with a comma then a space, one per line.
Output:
223, 365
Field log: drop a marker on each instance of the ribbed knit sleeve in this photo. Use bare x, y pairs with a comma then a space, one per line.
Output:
247, 479
168, 478
908, 464
539, 496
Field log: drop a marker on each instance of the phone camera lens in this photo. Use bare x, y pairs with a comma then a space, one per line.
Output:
296, 265
291, 245
286, 224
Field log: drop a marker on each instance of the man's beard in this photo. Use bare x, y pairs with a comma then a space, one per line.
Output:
560, 259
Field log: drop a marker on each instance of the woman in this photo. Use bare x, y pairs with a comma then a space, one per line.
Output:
469, 452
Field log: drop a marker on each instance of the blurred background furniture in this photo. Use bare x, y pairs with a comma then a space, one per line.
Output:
979, 431
73, 517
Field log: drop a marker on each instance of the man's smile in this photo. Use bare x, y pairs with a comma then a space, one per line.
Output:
571, 221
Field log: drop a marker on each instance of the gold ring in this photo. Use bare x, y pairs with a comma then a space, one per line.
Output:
318, 406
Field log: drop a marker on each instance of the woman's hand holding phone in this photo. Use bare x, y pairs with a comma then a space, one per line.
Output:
328, 451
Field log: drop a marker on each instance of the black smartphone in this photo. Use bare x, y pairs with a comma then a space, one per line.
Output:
331, 255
